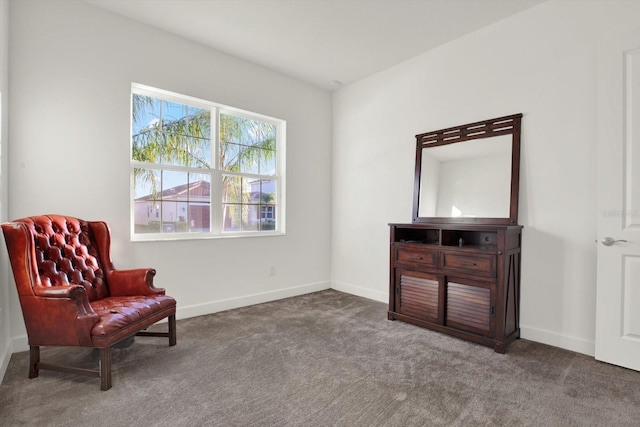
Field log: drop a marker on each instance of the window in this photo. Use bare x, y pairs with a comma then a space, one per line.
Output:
201, 169
267, 212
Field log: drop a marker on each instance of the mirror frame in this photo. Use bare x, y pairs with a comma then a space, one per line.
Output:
507, 125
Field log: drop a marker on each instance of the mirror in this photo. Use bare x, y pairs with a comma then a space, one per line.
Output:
467, 179
469, 174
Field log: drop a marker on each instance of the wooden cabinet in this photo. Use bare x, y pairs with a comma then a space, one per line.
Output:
460, 279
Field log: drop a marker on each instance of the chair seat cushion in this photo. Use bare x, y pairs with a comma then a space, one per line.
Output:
118, 314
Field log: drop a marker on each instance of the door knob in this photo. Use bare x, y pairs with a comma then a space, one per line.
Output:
609, 241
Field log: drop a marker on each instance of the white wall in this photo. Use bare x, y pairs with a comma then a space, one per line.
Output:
5, 341
71, 67
542, 63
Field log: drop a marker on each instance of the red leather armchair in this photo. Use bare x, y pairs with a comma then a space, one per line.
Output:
71, 294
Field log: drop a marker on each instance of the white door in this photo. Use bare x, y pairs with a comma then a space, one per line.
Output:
618, 288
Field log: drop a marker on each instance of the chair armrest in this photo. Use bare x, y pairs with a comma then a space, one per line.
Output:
121, 282
70, 291
69, 306
133, 282
75, 294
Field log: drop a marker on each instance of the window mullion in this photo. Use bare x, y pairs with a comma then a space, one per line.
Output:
216, 190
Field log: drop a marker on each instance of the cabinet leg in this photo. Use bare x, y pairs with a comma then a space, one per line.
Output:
390, 316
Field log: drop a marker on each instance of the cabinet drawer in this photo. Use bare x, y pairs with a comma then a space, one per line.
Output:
481, 265
424, 256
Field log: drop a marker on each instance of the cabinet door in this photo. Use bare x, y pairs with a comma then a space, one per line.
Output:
418, 294
469, 307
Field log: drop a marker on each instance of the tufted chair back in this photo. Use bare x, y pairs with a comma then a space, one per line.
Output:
65, 253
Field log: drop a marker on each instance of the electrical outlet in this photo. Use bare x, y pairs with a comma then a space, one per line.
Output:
272, 270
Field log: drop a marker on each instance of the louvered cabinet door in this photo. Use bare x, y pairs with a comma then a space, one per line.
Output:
469, 307
418, 294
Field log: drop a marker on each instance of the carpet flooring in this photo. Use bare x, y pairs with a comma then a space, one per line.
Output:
322, 359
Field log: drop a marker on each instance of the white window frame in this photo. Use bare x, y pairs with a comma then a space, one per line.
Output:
216, 217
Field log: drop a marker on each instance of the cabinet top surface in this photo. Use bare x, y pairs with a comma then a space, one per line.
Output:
479, 227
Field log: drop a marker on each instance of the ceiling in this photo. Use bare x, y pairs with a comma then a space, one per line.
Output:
327, 43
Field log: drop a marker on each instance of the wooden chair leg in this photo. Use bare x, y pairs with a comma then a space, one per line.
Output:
34, 360
105, 368
172, 330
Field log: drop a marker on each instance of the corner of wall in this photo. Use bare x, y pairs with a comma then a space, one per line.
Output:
5, 341
360, 291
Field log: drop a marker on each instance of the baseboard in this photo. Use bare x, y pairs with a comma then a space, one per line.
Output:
360, 291
16, 345
555, 339
184, 312
579, 345
4, 362
20, 343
